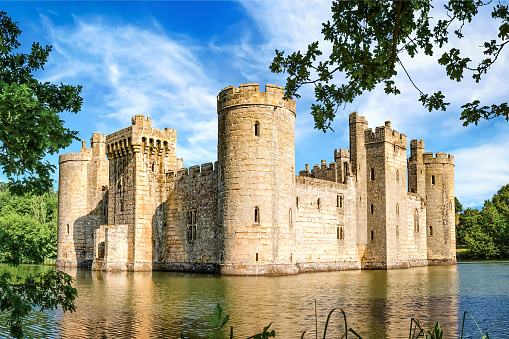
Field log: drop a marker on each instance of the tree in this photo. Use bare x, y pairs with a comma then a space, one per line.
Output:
30, 113
31, 128
483, 239
369, 40
457, 205
467, 220
501, 201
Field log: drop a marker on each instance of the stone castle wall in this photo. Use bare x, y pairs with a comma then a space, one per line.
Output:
194, 240
248, 214
325, 225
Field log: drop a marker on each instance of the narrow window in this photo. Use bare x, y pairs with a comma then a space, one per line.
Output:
154, 166
397, 231
372, 235
397, 209
416, 221
153, 243
372, 174
290, 220
337, 200
297, 202
191, 225
341, 233
256, 257
432, 179
337, 233
257, 215
318, 203
257, 129
372, 209
291, 257
341, 201
67, 228
431, 230
397, 175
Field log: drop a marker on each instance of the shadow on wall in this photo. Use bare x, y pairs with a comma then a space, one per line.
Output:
83, 233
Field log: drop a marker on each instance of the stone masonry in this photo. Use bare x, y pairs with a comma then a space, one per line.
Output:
127, 204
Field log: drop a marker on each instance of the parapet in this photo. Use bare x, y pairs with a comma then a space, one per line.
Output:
342, 153
97, 138
84, 155
356, 118
139, 120
141, 136
414, 144
385, 134
249, 94
440, 158
193, 171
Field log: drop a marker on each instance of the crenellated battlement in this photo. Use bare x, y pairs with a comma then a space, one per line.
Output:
342, 153
356, 118
83, 155
249, 94
202, 170
141, 137
439, 158
385, 134
416, 144
139, 120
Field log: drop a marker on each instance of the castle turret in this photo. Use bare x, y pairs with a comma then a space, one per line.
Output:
139, 156
358, 125
416, 181
82, 199
256, 158
386, 196
440, 208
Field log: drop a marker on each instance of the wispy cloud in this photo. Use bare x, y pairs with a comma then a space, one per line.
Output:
128, 70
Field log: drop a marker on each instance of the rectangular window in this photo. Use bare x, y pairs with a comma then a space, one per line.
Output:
191, 225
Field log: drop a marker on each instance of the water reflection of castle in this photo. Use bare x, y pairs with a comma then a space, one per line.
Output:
126, 203
163, 305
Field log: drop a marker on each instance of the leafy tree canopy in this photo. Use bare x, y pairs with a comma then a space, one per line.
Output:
30, 129
369, 39
30, 113
458, 206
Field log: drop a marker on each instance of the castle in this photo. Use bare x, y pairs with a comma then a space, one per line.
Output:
126, 202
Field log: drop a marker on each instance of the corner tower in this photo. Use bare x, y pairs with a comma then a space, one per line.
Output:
256, 158
82, 202
440, 208
139, 156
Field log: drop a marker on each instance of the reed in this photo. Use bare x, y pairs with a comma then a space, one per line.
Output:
218, 322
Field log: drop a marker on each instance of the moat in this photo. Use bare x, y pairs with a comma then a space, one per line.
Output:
164, 304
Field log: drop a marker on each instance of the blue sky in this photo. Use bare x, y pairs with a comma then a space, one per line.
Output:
169, 60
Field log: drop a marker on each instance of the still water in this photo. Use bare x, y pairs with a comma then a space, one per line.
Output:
164, 304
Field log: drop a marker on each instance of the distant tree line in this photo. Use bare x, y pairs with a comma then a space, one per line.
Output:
28, 226
485, 233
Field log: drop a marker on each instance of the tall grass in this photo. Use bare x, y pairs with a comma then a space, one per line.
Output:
218, 323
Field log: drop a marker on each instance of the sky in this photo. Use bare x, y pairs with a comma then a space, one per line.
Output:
169, 60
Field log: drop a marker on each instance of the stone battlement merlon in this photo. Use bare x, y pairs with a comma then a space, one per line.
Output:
97, 138
141, 136
385, 134
205, 169
355, 117
439, 158
249, 94
342, 153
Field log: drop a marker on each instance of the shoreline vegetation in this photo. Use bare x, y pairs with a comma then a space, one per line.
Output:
218, 328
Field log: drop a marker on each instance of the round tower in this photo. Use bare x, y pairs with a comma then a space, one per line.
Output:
256, 159
72, 207
440, 208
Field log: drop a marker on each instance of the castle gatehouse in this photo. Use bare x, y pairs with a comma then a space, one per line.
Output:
127, 204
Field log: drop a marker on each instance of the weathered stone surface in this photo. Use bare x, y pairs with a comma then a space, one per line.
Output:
248, 214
